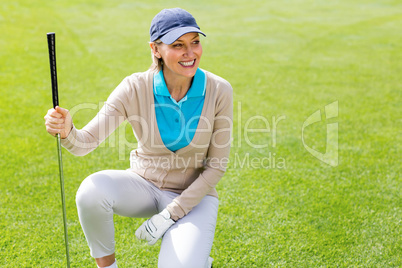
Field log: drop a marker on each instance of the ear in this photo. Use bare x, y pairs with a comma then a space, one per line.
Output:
155, 50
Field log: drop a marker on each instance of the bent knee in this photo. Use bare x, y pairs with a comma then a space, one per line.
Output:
172, 262
91, 193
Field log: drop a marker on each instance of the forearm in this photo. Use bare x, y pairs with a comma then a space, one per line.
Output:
83, 141
79, 142
193, 195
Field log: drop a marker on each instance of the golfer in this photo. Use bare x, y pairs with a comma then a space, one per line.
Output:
181, 117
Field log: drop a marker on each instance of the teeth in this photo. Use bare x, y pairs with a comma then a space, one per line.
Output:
187, 63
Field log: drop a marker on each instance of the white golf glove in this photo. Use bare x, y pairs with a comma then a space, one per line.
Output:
155, 227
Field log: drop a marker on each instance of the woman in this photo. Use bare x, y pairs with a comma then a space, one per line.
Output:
182, 117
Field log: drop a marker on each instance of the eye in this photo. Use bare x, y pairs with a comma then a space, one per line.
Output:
178, 45
196, 42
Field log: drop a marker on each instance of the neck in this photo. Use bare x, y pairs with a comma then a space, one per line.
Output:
177, 85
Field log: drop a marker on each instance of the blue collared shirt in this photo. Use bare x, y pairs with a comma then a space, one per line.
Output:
178, 121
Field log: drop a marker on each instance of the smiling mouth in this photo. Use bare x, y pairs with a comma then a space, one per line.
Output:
187, 63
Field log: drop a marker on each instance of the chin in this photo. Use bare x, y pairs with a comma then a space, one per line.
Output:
190, 73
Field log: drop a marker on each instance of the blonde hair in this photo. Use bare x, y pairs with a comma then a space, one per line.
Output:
157, 63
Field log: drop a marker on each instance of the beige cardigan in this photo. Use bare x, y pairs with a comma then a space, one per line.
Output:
192, 171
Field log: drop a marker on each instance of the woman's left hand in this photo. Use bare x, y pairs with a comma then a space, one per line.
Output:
155, 227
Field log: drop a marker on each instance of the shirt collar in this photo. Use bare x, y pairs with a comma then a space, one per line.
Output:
197, 88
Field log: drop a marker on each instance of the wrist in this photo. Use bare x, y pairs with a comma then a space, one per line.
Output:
165, 213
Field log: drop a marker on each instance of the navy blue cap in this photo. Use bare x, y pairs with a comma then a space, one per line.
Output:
169, 24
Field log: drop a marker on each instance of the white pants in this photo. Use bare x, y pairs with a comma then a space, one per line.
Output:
186, 244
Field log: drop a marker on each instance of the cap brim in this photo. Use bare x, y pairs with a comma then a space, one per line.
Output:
173, 35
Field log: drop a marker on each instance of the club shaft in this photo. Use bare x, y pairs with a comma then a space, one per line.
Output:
51, 40
63, 198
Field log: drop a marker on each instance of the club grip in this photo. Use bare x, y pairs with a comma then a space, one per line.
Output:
51, 42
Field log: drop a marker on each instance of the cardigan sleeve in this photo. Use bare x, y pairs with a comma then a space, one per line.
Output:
83, 141
216, 161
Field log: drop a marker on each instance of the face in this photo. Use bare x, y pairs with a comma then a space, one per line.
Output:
181, 58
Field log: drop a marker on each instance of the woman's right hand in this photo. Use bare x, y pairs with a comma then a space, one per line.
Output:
58, 121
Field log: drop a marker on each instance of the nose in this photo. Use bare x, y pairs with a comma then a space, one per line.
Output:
189, 52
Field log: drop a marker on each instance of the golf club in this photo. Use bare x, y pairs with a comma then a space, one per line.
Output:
51, 41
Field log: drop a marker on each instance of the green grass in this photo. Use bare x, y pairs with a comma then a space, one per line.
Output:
283, 58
